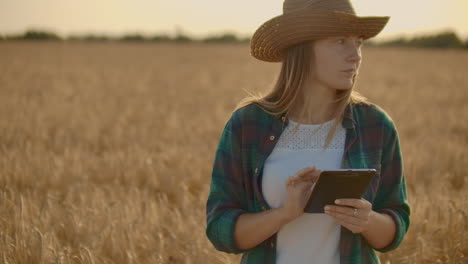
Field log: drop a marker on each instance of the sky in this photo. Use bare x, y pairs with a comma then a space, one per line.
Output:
206, 17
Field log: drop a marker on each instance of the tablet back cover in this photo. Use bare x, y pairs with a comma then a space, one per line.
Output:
334, 185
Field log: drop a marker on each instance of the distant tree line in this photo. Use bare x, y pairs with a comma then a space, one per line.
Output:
180, 37
446, 39
441, 40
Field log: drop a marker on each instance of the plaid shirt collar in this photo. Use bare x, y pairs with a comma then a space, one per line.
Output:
348, 118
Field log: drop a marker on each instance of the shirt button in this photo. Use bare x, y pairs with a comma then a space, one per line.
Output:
272, 138
256, 170
283, 118
272, 244
263, 207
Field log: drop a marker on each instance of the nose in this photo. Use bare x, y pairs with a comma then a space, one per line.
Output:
354, 55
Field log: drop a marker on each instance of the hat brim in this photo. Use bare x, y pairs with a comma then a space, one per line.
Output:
275, 35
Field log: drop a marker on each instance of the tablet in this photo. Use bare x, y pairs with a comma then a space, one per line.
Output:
336, 184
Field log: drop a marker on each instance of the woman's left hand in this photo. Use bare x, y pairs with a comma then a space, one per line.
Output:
355, 218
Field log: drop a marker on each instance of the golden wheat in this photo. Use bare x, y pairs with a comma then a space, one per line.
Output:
106, 150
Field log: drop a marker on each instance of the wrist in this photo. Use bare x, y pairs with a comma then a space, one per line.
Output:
372, 218
284, 215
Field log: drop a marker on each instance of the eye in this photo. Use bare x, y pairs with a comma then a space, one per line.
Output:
341, 41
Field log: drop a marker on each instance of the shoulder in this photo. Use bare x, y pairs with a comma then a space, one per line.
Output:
375, 114
249, 113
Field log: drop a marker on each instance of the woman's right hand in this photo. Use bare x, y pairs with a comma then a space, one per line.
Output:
299, 191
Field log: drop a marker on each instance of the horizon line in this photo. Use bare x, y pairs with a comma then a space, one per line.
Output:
179, 31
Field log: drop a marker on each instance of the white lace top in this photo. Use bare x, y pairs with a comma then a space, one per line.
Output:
310, 136
310, 238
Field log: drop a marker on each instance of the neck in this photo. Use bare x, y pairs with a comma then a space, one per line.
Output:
314, 104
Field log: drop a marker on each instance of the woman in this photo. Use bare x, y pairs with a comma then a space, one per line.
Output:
312, 120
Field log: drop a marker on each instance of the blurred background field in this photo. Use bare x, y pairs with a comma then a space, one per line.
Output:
106, 150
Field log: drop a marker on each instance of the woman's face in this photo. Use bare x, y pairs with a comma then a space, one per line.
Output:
333, 56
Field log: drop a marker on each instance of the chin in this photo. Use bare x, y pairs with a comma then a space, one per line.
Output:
344, 86
341, 83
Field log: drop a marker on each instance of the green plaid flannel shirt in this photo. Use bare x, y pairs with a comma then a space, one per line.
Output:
250, 135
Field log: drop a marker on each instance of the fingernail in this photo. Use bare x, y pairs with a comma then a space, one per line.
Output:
337, 201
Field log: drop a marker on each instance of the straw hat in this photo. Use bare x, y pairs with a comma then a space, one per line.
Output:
304, 20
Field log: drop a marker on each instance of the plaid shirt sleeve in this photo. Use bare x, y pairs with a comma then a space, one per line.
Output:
226, 197
391, 198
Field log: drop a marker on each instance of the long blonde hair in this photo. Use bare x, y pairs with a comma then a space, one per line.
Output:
295, 66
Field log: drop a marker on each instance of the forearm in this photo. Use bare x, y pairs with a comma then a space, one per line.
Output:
253, 228
381, 231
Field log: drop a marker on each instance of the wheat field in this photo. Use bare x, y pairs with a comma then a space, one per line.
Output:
106, 150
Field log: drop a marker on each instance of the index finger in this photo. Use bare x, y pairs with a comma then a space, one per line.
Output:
305, 170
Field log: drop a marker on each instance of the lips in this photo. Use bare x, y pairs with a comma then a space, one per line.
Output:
349, 73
